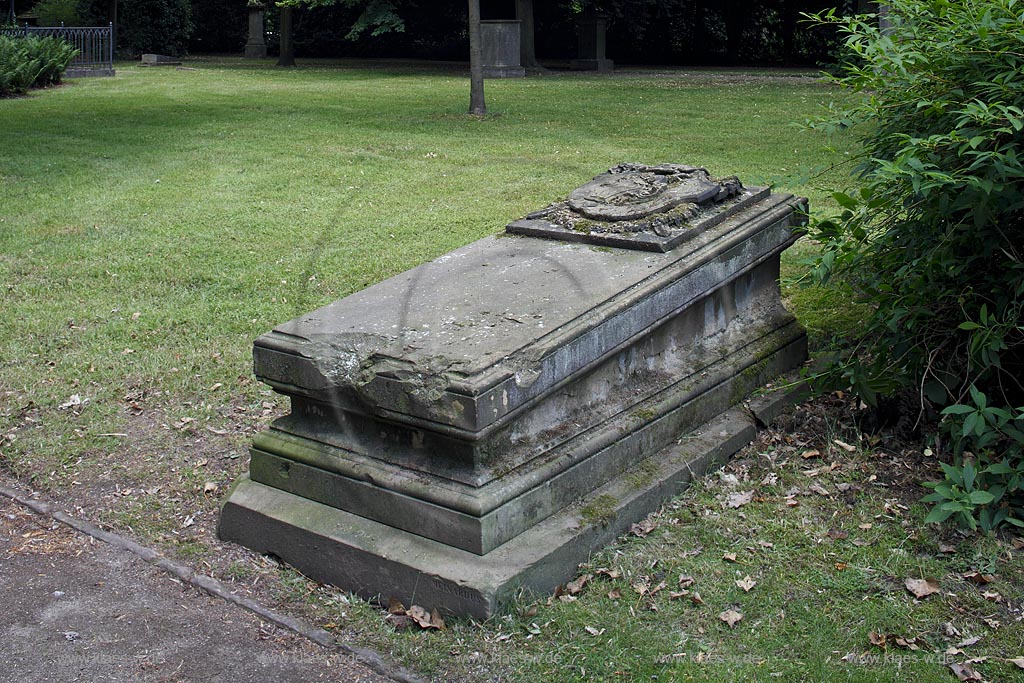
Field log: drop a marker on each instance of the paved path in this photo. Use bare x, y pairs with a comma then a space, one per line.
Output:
76, 609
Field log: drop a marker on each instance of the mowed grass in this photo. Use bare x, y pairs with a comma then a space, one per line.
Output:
152, 225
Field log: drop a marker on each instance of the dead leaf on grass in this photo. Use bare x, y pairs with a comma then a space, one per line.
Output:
994, 596
574, 587
979, 579
820, 490
614, 594
593, 631
921, 588
729, 557
947, 549
838, 534
739, 499
610, 573
643, 527
845, 446
877, 639
746, 583
1016, 661
696, 599
973, 640
807, 455
731, 617
424, 618
685, 581
964, 672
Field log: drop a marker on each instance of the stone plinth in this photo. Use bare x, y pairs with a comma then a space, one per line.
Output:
256, 46
483, 422
592, 45
501, 44
150, 59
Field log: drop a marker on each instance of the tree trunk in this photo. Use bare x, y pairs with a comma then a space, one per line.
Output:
528, 49
476, 66
287, 56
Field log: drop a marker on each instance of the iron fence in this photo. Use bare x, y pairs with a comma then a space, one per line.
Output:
95, 44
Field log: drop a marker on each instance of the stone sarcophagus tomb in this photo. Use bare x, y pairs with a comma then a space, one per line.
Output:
482, 423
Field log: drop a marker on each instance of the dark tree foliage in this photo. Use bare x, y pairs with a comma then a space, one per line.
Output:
639, 31
160, 26
220, 26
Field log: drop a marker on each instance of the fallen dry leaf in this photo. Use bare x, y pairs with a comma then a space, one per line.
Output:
970, 641
685, 581
696, 599
820, 490
610, 573
807, 455
877, 639
739, 499
979, 579
574, 587
845, 446
838, 534
614, 594
729, 557
643, 527
424, 618
994, 596
1016, 661
395, 607
922, 588
593, 631
746, 583
946, 549
731, 617
964, 672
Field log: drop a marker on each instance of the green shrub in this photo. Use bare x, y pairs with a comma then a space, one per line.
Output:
932, 237
32, 62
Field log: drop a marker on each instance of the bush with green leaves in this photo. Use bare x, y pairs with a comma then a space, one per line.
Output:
932, 239
32, 62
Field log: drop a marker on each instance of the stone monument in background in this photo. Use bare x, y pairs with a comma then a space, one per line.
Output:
483, 422
502, 48
256, 47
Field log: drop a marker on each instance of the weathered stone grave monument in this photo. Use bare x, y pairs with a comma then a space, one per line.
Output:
481, 423
500, 41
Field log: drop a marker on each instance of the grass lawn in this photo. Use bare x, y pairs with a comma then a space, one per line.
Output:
152, 225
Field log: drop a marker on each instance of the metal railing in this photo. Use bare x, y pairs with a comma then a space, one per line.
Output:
95, 44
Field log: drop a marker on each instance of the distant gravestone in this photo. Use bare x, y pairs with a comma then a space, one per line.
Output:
502, 49
592, 45
483, 423
150, 59
256, 47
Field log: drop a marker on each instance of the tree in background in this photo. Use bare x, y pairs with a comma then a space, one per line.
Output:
477, 106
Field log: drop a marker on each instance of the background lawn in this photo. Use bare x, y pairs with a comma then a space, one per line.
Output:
152, 225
